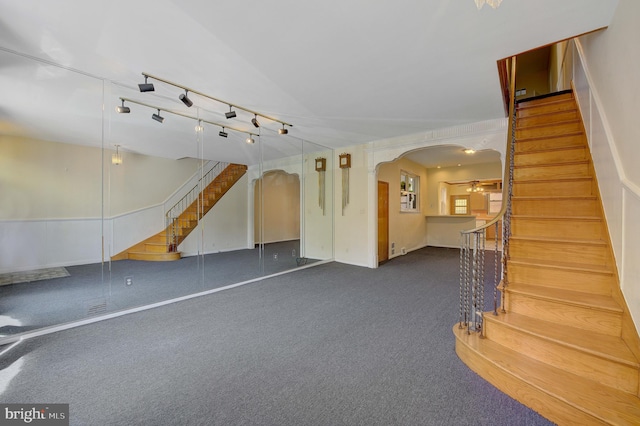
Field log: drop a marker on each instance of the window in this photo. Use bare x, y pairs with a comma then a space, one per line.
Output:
409, 191
459, 204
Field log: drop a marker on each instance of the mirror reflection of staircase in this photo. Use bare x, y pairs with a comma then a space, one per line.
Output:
163, 246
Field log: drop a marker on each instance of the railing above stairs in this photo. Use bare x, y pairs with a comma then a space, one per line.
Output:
175, 219
474, 242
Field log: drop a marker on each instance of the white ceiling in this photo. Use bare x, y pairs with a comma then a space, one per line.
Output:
343, 72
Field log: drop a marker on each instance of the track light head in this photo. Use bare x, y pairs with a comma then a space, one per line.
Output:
230, 114
146, 87
250, 140
123, 109
223, 133
157, 117
185, 99
254, 121
283, 131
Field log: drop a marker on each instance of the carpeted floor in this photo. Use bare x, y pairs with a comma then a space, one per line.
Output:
329, 345
95, 289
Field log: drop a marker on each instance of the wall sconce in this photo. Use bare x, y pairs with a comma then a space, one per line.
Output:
116, 159
321, 167
345, 165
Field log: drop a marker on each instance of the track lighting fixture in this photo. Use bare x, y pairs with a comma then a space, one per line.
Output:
146, 87
230, 114
157, 117
185, 99
200, 121
283, 131
123, 109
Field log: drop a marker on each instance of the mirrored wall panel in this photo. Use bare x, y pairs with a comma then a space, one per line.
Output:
122, 197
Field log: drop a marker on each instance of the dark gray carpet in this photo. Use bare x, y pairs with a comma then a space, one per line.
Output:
95, 289
329, 345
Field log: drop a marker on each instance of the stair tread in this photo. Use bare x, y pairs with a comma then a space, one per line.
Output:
556, 163
594, 301
560, 240
577, 267
604, 402
537, 138
601, 345
553, 197
580, 218
552, 180
554, 149
550, 124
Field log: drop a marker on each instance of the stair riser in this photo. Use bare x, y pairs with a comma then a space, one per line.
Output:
571, 229
584, 318
550, 143
155, 248
557, 171
553, 408
546, 101
155, 257
561, 207
581, 187
567, 105
586, 282
607, 372
557, 129
549, 157
541, 119
586, 254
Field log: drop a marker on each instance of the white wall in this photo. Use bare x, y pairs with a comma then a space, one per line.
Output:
224, 227
353, 240
608, 91
317, 225
57, 207
277, 214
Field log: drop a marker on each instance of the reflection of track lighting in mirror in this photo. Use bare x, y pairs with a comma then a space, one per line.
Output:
254, 121
199, 127
146, 87
283, 131
230, 114
185, 99
116, 159
157, 117
123, 109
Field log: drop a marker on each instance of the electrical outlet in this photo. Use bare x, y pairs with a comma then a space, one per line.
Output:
293, 253
275, 256
128, 281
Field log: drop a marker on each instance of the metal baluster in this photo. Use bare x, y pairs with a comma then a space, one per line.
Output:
466, 281
496, 259
461, 273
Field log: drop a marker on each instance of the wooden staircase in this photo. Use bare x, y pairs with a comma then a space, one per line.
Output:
155, 248
566, 346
